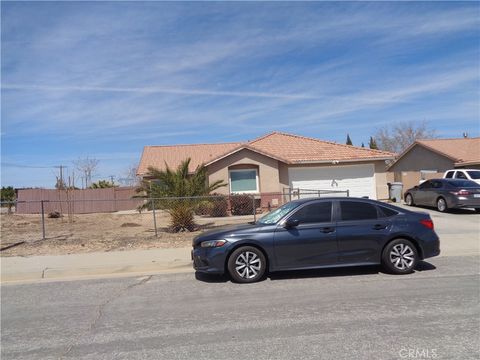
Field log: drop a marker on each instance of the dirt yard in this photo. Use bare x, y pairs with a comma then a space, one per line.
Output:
97, 232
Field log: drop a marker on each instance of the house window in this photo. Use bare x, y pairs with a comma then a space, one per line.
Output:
244, 181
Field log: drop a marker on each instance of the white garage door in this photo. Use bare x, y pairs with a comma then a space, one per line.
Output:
358, 179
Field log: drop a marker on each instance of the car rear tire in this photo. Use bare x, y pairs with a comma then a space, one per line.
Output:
247, 264
409, 200
400, 256
442, 205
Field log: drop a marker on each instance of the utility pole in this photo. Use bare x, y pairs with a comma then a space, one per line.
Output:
111, 178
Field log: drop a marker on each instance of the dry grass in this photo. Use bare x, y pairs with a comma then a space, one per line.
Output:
97, 232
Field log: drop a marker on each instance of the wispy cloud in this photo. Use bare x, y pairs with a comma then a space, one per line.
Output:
153, 90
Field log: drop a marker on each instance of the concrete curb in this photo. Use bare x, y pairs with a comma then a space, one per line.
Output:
90, 265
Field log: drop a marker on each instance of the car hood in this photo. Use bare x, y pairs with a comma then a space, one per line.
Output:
227, 231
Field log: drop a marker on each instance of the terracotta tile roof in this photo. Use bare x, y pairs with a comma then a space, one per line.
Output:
296, 149
173, 155
463, 151
290, 149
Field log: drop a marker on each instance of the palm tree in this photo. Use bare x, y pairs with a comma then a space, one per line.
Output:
174, 192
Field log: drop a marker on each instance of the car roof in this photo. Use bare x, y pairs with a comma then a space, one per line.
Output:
302, 201
450, 180
462, 170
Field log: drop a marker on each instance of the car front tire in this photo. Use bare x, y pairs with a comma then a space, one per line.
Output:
247, 264
400, 256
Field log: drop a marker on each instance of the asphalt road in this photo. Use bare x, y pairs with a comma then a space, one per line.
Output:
356, 313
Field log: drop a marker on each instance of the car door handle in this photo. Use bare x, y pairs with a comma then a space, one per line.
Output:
379, 227
327, 230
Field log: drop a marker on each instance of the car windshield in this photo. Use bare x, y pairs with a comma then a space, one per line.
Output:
274, 216
462, 183
474, 174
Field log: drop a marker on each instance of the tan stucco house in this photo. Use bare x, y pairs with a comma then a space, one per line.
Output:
439, 155
277, 161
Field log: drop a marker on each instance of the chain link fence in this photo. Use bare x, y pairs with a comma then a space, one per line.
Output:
70, 226
90, 225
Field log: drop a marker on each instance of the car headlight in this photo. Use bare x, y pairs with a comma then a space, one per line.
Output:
213, 243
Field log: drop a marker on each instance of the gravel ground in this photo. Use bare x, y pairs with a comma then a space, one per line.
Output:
97, 232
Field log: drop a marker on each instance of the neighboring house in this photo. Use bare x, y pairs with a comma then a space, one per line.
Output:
439, 155
429, 159
277, 161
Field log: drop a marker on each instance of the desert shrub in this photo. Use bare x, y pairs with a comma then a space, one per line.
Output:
55, 215
241, 205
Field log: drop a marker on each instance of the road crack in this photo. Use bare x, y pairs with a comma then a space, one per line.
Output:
101, 307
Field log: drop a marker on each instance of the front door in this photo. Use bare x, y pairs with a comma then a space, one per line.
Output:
312, 242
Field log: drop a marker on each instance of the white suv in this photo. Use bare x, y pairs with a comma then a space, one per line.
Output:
465, 174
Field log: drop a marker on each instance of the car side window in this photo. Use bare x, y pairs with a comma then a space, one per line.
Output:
426, 185
314, 213
353, 210
460, 175
449, 175
386, 212
437, 184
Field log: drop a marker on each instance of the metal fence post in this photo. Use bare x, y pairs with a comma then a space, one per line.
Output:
154, 217
254, 209
348, 193
43, 220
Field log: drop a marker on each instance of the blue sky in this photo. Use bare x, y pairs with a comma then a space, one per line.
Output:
103, 79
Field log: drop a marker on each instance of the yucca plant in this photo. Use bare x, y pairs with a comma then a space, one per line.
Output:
174, 192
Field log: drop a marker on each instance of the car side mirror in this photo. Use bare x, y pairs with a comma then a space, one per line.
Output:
291, 223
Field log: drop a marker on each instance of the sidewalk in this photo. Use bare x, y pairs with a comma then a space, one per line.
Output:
95, 264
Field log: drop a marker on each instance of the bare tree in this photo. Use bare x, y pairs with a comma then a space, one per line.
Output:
86, 166
130, 176
402, 135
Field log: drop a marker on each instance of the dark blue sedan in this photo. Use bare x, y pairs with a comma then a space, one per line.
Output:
317, 233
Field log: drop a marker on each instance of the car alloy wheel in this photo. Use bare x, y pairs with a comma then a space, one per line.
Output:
247, 264
409, 200
402, 257
441, 205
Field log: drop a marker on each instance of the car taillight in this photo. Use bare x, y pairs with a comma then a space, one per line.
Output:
428, 223
461, 192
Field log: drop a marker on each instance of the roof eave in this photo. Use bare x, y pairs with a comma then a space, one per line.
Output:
463, 163
247, 147
335, 161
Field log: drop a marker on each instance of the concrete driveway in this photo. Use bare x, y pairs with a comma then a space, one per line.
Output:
459, 230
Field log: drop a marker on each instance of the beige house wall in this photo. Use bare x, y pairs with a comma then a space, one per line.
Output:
273, 174
268, 173
420, 158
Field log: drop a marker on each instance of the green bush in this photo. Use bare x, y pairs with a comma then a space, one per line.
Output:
241, 205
